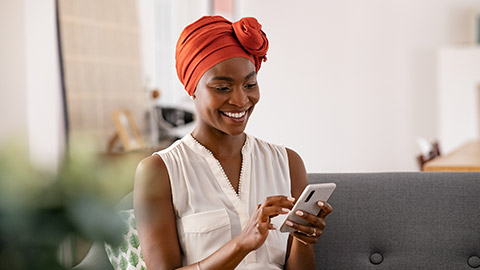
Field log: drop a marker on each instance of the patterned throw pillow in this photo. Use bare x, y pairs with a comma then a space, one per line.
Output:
128, 255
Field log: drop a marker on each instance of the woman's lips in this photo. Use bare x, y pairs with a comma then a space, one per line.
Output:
237, 116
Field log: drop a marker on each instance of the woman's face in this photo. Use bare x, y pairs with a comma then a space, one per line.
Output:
226, 95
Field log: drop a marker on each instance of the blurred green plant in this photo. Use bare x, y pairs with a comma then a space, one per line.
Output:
40, 209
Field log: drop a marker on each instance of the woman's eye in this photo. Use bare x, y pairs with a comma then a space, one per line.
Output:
222, 88
251, 85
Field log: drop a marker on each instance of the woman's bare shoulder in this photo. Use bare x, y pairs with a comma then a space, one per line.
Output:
155, 215
151, 178
152, 165
298, 173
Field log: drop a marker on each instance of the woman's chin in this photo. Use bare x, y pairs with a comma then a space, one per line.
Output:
234, 131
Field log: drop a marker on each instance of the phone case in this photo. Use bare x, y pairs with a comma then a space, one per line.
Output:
308, 203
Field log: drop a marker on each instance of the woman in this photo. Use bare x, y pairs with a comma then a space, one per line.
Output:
207, 202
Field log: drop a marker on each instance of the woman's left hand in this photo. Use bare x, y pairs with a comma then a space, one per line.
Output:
308, 234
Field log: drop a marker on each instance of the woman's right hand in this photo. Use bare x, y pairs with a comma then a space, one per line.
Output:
255, 233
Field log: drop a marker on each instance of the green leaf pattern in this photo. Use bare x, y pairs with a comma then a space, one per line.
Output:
128, 255
115, 251
133, 224
133, 260
123, 263
124, 246
134, 241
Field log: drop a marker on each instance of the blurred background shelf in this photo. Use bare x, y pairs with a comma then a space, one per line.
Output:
466, 158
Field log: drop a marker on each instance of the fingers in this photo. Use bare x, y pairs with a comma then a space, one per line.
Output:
315, 221
315, 224
263, 227
304, 239
314, 229
325, 209
271, 207
273, 211
306, 234
282, 201
275, 205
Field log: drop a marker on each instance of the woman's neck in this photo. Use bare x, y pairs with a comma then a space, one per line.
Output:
221, 145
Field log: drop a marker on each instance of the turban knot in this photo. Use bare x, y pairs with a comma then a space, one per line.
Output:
212, 39
249, 33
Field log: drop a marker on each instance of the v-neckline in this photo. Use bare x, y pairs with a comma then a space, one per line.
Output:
240, 200
224, 179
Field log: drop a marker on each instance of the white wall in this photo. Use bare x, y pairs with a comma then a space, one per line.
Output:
348, 84
351, 84
13, 113
458, 96
44, 94
30, 99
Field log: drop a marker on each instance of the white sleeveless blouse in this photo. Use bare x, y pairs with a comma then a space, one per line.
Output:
209, 212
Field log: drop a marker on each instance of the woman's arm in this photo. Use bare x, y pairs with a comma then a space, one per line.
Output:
300, 253
155, 216
156, 223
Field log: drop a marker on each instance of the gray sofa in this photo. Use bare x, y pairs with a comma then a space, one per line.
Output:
400, 220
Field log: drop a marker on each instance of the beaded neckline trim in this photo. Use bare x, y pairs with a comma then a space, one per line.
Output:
240, 179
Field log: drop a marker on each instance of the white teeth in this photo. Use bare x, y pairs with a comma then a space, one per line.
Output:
235, 115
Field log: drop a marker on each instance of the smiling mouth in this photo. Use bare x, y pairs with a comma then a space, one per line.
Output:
235, 115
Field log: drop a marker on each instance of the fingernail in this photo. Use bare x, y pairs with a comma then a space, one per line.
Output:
289, 223
285, 210
321, 204
299, 213
291, 199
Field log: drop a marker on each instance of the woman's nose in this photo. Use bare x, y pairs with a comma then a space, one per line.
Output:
238, 97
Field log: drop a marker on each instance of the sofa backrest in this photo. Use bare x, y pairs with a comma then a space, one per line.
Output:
401, 220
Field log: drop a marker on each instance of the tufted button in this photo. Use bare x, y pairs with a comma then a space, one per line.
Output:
376, 258
474, 261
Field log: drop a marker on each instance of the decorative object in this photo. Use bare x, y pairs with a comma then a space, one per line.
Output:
127, 130
169, 120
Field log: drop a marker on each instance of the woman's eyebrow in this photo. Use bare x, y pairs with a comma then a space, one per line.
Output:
251, 74
230, 79
222, 78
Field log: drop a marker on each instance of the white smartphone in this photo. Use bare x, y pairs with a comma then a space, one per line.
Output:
307, 202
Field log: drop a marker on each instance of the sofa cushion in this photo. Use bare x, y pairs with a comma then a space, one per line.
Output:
128, 255
401, 220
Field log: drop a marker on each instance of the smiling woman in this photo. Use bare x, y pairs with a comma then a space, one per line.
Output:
207, 201
225, 97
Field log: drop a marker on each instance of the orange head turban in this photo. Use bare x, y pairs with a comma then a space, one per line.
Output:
212, 39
